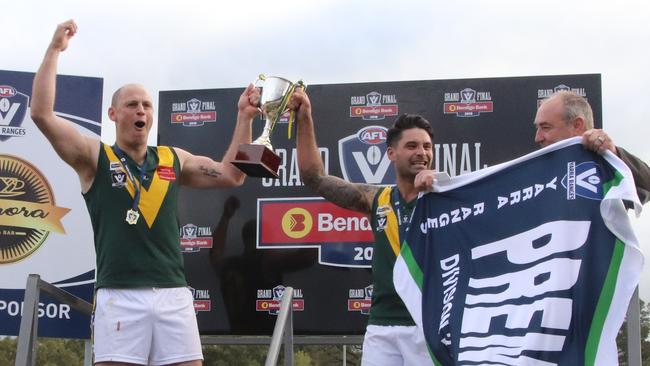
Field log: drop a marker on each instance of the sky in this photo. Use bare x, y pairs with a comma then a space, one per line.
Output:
173, 45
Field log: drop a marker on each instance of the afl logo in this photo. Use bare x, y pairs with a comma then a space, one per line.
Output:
27, 209
363, 157
7, 91
372, 135
297, 223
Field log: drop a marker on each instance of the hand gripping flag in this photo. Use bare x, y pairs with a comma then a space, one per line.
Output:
530, 262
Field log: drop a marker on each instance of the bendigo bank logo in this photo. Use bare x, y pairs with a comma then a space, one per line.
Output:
13, 108
343, 237
193, 113
468, 103
363, 157
360, 299
27, 209
373, 106
297, 223
193, 238
269, 300
308, 221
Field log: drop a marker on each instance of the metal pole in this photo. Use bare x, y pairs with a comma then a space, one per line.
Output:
345, 355
288, 334
27, 344
286, 308
28, 334
88, 353
634, 330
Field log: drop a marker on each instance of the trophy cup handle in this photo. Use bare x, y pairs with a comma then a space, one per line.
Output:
258, 83
291, 126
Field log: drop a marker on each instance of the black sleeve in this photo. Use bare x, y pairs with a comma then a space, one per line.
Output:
640, 172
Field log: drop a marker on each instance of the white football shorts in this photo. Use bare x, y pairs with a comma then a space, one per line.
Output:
148, 326
394, 345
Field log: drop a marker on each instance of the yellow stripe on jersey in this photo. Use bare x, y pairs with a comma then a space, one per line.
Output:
392, 228
150, 200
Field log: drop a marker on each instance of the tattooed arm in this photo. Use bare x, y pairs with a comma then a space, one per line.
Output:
357, 197
203, 172
353, 196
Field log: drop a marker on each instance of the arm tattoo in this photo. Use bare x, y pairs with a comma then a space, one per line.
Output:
357, 197
210, 172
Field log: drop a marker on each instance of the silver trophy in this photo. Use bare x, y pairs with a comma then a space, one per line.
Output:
258, 159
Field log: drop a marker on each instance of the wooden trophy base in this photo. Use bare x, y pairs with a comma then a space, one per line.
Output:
257, 161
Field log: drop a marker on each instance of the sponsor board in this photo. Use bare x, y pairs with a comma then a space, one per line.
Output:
194, 238
373, 106
360, 299
344, 238
468, 103
28, 212
269, 300
193, 113
44, 223
461, 146
202, 301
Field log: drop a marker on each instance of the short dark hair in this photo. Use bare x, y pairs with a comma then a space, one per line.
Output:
406, 122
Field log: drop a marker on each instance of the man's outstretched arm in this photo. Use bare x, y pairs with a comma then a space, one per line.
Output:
353, 196
77, 150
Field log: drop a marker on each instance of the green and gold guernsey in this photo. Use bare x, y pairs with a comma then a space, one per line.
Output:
146, 254
389, 213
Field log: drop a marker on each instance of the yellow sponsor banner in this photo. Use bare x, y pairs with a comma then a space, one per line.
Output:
32, 215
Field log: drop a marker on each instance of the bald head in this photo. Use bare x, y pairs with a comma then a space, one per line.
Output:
118, 92
132, 111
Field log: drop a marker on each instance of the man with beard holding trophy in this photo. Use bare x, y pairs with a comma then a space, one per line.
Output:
144, 312
391, 337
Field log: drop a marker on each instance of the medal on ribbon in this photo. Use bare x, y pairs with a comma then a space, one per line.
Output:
132, 214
